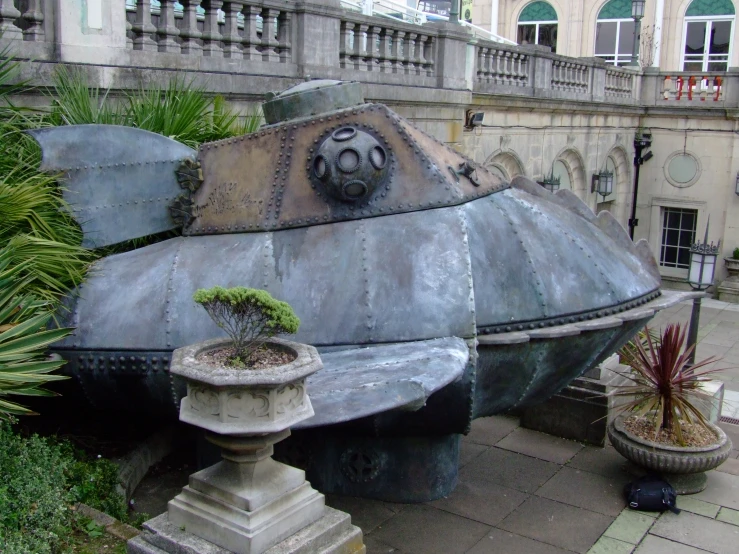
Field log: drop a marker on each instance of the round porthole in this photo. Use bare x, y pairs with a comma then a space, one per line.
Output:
354, 190
377, 157
320, 166
682, 169
348, 160
345, 133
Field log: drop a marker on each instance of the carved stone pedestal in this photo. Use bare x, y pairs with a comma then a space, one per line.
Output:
728, 290
247, 503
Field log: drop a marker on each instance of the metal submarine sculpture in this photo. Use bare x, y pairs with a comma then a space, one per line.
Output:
435, 292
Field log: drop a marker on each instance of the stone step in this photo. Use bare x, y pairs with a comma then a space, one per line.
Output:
332, 534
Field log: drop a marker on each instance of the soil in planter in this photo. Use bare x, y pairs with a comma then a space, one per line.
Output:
694, 435
263, 357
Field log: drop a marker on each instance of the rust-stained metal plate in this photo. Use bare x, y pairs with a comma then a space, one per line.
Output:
269, 180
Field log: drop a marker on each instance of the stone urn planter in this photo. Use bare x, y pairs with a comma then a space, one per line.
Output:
247, 503
732, 266
683, 467
728, 290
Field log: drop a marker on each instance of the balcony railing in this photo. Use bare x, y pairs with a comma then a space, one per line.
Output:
233, 41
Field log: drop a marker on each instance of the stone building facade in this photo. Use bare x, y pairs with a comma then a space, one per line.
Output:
567, 115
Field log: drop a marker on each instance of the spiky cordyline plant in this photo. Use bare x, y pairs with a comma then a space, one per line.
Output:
663, 384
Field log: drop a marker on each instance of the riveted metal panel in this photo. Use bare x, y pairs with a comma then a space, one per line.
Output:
267, 180
538, 264
397, 278
123, 303
359, 382
119, 181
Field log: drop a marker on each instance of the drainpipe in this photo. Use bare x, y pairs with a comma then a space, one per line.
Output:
659, 15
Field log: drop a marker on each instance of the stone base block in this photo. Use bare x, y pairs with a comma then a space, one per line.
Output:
578, 412
728, 291
333, 533
241, 531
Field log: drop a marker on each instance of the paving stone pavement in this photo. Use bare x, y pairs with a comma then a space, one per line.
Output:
524, 492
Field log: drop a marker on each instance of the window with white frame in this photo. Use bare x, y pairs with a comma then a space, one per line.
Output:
537, 24
707, 35
614, 32
678, 234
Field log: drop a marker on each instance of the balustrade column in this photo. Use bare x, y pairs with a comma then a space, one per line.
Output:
251, 40
143, 30
398, 51
283, 36
35, 18
211, 33
270, 46
167, 30
428, 55
410, 53
383, 54
359, 48
129, 34
371, 50
8, 14
345, 35
190, 33
231, 37
418, 60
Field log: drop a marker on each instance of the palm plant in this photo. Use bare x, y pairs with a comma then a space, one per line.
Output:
663, 383
24, 365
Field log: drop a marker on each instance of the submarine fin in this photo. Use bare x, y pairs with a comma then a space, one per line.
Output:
646, 256
611, 227
119, 181
571, 201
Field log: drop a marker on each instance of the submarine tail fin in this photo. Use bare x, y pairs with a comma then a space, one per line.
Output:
120, 182
646, 256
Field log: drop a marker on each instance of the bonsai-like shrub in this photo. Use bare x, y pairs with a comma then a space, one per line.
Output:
735, 254
663, 385
249, 317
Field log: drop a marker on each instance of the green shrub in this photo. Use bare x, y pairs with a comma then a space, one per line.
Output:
94, 483
34, 498
735, 254
42, 478
249, 316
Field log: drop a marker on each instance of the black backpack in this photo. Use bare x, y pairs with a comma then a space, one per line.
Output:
651, 493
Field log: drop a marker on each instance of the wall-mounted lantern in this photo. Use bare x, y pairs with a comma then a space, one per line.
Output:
602, 183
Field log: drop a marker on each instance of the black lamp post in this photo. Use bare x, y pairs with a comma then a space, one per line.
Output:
637, 12
454, 12
702, 267
603, 183
736, 187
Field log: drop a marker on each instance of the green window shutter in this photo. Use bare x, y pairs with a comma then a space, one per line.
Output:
616, 9
710, 7
538, 11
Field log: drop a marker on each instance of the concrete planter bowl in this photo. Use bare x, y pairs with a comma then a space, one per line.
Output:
732, 267
683, 467
231, 401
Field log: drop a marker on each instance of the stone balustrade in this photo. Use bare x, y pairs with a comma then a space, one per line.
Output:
693, 86
386, 46
619, 83
570, 76
232, 29
253, 46
500, 65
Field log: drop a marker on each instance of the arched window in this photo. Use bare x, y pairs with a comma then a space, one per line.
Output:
537, 24
614, 32
707, 36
